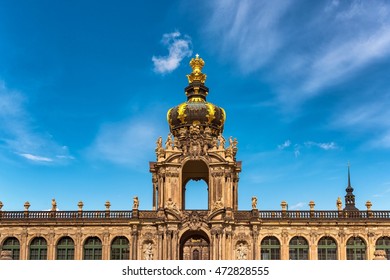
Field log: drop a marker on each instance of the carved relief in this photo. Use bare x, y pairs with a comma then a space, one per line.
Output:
242, 251
148, 251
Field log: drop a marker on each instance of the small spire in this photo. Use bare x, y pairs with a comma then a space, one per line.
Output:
349, 197
349, 175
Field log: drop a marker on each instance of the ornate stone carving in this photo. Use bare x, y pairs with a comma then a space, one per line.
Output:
242, 251
135, 202
148, 235
254, 202
160, 152
171, 205
194, 221
169, 142
380, 255
6, 255
148, 251
218, 204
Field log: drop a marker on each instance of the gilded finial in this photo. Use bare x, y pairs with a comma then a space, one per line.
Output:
196, 75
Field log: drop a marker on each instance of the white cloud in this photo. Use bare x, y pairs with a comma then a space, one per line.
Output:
178, 46
247, 31
344, 57
324, 146
286, 144
333, 43
20, 135
36, 158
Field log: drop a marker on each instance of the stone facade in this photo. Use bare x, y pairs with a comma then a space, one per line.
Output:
196, 149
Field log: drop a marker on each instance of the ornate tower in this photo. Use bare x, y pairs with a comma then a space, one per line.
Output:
195, 150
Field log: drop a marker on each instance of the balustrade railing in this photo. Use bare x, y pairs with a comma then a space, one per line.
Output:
238, 215
64, 215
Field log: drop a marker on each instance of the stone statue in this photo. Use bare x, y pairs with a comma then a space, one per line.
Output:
148, 251
339, 204
235, 142
242, 251
171, 205
230, 142
218, 204
135, 203
176, 144
159, 143
53, 205
169, 142
159, 148
221, 142
254, 202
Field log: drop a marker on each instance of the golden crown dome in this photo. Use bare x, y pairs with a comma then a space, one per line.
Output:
196, 110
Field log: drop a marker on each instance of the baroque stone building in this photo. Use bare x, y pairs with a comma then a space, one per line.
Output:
196, 150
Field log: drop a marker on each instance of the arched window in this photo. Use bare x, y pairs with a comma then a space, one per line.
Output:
327, 248
270, 248
65, 248
196, 195
356, 249
299, 248
92, 249
38, 249
12, 244
383, 243
195, 180
120, 248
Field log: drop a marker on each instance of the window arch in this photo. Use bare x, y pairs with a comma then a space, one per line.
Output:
299, 248
270, 248
12, 244
383, 243
65, 248
327, 248
120, 248
356, 249
92, 249
195, 170
38, 249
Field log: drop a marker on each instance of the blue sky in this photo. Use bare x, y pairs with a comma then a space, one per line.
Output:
85, 87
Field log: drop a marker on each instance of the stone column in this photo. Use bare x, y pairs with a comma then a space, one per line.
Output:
24, 245
284, 248
313, 253
51, 250
106, 246
169, 244
154, 182
212, 244
228, 244
342, 249
219, 236
160, 245
78, 247
255, 235
175, 245
370, 246
134, 247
